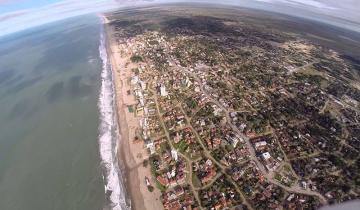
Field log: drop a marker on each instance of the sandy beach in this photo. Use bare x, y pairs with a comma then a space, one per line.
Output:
132, 154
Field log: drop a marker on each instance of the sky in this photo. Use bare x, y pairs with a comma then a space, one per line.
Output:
17, 15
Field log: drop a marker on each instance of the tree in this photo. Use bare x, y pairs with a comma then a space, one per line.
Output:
136, 58
150, 188
145, 163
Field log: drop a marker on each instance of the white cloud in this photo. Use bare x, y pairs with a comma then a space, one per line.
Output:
313, 3
19, 20
309, 3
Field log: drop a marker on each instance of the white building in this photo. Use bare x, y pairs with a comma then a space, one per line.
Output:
143, 85
266, 155
134, 80
151, 147
174, 155
163, 91
260, 144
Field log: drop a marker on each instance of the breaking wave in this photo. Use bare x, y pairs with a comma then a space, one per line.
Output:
109, 135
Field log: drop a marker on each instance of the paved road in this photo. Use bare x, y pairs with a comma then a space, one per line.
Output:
208, 155
189, 162
260, 166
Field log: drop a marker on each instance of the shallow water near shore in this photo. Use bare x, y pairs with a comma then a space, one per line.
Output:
109, 134
49, 118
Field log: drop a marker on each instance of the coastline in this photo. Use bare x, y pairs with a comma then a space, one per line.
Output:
130, 154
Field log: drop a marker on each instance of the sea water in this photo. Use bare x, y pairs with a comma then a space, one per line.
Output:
109, 134
56, 115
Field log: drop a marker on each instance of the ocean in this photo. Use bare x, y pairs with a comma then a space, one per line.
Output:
58, 131
109, 134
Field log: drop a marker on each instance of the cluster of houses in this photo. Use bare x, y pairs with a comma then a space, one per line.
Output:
173, 177
221, 194
294, 118
267, 151
205, 170
247, 175
186, 143
179, 197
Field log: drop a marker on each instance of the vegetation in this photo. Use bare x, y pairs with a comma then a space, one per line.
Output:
145, 163
293, 102
136, 58
150, 188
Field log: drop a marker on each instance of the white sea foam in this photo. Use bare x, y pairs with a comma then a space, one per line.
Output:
109, 135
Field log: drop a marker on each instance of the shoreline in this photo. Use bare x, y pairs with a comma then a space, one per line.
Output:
123, 148
130, 154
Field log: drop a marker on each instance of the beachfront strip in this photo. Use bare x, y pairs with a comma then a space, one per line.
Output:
216, 138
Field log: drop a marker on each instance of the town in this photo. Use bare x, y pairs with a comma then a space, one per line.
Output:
237, 117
